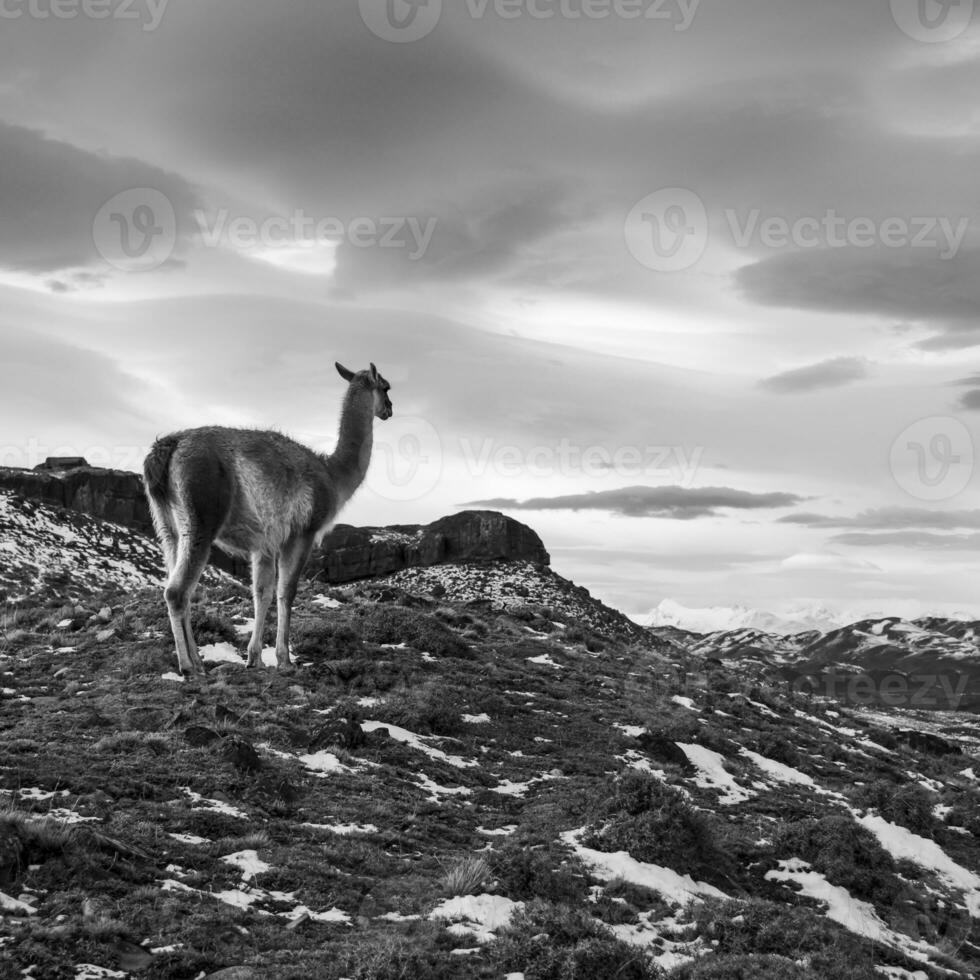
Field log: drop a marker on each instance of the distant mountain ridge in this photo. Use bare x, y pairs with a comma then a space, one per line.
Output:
797, 619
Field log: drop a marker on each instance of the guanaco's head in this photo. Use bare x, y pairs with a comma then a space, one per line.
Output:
371, 381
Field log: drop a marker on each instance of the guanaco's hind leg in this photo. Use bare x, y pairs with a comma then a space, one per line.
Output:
292, 561
191, 557
263, 589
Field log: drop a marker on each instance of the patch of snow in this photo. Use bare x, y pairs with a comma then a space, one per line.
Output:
15, 905
419, 742
856, 916
345, 829
326, 602
646, 933
190, 839
712, 774
636, 760
499, 831
38, 795
545, 661
89, 971
902, 843
677, 888
173, 676
323, 763
220, 653
436, 790
248, 862
684, 702
634, 731
269, 658
237, 898
331, 915
778, 770
480, 719
215, 806
68, 816
507, 787
476, 915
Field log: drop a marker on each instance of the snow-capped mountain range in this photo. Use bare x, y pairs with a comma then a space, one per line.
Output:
795, 619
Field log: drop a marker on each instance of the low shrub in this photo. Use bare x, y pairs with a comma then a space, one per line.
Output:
558, 942
654, 822
211, 628
323, 640
846, 853
909, 806
745, 968
429, 709
396, 624
544, 872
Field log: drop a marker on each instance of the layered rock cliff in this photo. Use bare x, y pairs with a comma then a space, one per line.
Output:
346, 554
350, 553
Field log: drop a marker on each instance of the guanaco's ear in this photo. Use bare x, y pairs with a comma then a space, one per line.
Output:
374, 373
343, 372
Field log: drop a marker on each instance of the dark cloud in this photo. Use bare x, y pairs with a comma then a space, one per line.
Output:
51, 193
924, 540
887, 518
827, 374
903, 285
679, 503
501, 224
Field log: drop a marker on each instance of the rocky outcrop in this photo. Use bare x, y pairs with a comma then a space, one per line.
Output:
110, 495
346, 554
349, 553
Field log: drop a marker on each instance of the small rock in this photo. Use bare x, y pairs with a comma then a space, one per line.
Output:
240, 754
298, 921
200, 735
105, 614
104, 635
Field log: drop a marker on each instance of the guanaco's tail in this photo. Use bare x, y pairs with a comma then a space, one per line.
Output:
156, 468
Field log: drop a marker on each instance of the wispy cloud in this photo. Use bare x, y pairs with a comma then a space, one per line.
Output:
970, 400
52, 192
826, 374
679, 503
914, 285
925, 540
891, 518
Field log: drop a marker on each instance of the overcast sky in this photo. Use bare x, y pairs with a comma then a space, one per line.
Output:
691, 288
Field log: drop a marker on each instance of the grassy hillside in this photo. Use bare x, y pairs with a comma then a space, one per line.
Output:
445, 789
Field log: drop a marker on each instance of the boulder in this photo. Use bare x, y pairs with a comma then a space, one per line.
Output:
350, 553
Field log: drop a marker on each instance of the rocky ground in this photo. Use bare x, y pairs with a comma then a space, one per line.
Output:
459, 785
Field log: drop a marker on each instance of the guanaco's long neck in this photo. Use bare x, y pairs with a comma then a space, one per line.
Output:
350, 460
